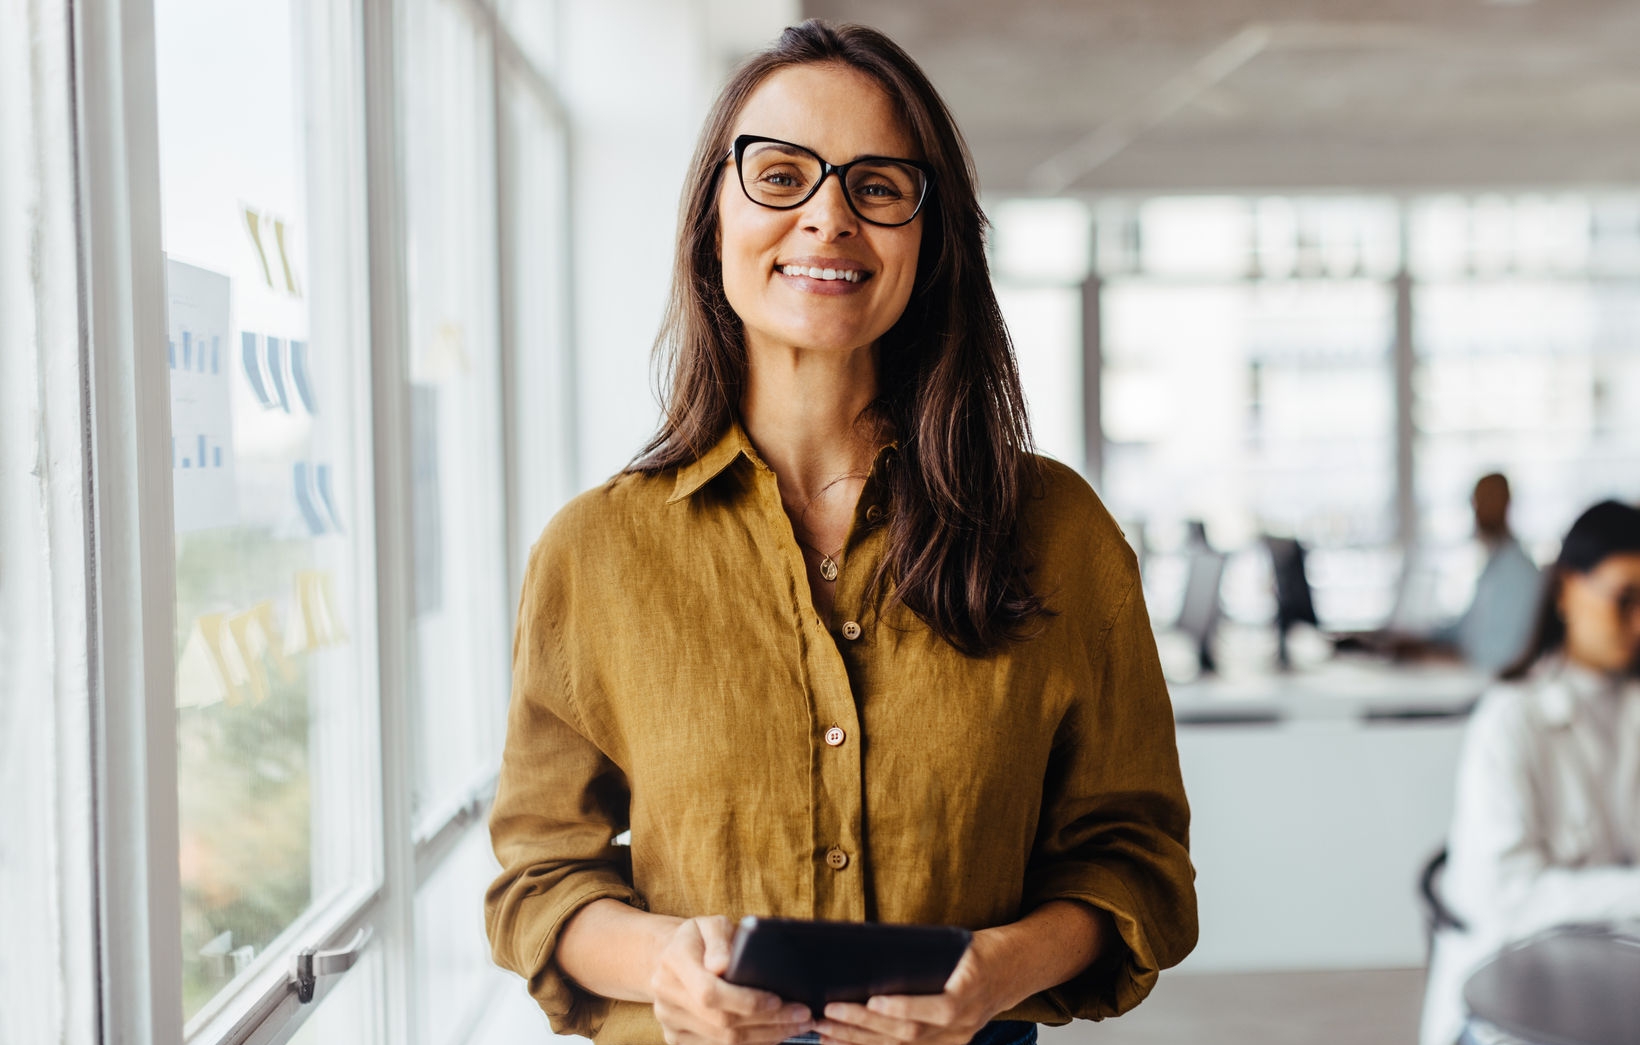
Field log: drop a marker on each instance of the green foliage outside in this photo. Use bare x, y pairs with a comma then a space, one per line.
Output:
242, 767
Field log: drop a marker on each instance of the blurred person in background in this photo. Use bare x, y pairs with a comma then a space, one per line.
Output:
1493, 629
1546, 822
838, 645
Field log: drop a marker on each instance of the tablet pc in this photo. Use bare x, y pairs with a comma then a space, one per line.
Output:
819, 962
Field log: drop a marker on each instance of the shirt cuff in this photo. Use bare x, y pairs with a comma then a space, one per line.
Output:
1112, 985
570, 1008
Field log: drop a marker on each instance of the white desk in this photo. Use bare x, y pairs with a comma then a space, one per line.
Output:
1315, 798
1342, 689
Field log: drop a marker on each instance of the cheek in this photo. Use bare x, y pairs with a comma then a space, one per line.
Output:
1589, 620
904, 261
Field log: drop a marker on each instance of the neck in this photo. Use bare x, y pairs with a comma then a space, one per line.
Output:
801, 409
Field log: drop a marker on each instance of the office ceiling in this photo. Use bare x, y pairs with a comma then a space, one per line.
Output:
1131, 96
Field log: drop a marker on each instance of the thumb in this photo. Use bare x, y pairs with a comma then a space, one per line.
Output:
717, 935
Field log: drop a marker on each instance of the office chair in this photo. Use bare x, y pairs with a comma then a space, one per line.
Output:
1294, 603
1437, 915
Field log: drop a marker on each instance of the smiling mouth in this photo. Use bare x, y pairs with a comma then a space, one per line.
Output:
844, 275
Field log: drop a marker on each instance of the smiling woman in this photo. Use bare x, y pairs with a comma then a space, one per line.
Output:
887, 665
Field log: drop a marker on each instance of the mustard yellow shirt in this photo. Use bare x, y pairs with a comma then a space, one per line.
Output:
671, 676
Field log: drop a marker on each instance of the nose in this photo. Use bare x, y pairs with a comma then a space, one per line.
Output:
827, 213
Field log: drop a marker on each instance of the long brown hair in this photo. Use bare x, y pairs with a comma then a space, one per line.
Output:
949, 385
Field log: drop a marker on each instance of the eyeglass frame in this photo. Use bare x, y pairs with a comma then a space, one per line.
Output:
738, 149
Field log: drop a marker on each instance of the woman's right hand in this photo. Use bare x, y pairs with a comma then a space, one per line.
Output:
694, 1004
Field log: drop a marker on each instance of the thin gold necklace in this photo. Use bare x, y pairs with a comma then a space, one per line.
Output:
828, 563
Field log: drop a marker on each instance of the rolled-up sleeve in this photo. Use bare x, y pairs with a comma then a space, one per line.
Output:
1114, 830
559, 803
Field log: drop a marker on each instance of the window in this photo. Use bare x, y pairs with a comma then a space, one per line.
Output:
1250, 352
267, 353
460, 643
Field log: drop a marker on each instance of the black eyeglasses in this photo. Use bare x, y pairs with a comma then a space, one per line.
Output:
881, 190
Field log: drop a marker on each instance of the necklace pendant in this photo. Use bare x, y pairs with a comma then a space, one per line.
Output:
828, 568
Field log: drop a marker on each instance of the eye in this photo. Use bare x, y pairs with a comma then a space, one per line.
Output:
782, 176
878, 191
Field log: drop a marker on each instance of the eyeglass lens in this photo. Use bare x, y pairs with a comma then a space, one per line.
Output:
885, 192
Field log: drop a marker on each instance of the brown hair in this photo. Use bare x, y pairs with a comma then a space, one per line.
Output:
948, 384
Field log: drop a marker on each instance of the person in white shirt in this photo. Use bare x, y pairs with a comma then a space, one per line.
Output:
1546, 823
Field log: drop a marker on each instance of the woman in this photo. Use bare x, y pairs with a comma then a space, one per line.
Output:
837, 645
1546, 826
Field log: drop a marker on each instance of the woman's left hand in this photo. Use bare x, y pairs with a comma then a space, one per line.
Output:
972, 996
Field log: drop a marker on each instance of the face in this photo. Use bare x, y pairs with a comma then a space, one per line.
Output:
771, 257
1491, 502
1602, 613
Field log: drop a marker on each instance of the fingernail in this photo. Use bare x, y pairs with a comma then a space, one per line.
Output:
797, 1012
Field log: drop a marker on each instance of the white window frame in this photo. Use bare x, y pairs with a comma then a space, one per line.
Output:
130, 551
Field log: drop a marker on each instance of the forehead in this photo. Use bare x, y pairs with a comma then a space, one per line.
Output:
837, 111
1621, 567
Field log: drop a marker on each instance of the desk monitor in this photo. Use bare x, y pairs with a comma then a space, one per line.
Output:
1199, 612
1294, 603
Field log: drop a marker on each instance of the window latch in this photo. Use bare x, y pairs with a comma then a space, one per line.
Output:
312, 963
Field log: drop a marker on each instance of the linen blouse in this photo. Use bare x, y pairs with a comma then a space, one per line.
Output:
671, 677
1545, 823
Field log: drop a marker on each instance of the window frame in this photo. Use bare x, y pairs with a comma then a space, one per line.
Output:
129, 543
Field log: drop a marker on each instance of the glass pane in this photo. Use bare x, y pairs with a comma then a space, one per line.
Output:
1256, 407
1046, 326
264, 334
534, 206
1538, 379
459, 680
452, 952
534, 27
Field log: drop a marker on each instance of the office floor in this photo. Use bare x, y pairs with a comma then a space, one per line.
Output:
1378, 1007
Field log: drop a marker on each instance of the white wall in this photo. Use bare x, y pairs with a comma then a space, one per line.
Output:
638, 77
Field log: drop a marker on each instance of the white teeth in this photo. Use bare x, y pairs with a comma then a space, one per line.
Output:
847, 275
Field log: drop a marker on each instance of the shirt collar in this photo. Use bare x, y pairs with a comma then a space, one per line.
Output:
1567, 685
730, 447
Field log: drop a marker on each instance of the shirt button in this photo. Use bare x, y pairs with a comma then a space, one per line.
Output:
851, 630
874, 513
836, 859
835, 736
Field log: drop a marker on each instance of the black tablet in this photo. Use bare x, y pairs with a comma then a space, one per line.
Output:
819, 962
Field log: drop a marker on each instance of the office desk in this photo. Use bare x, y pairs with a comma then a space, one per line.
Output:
1316, 795
1345, 688
1565, 987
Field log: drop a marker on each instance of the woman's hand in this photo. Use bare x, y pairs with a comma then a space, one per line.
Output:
971, 998
1001, 968
695, 1006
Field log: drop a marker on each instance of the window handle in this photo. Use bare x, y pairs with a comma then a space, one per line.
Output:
312, 963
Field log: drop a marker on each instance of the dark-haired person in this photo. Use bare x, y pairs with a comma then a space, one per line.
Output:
1546, 826
837, 645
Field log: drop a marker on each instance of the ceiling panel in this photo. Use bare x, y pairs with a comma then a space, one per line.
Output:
1206, 95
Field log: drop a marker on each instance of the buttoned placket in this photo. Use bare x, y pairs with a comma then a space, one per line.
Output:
837, 788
